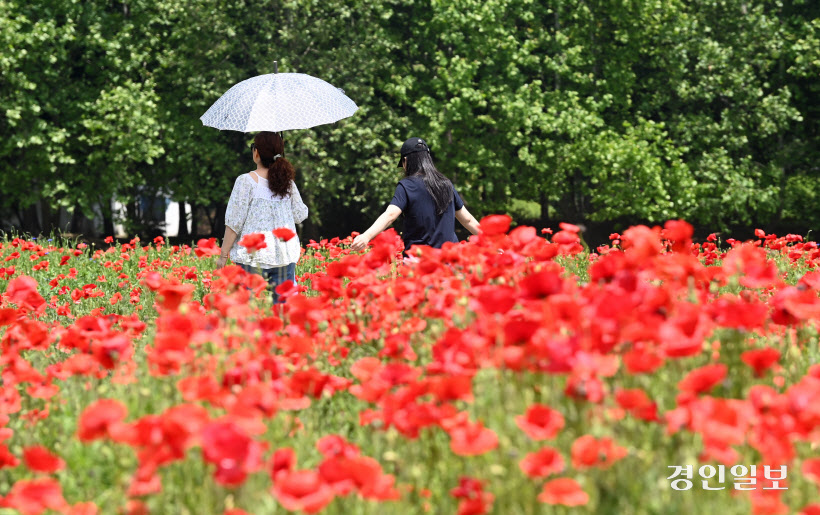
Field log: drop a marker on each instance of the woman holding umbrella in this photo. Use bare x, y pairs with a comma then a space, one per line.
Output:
427, 199
261, 201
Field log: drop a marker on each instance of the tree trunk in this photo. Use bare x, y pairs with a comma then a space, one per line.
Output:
544, 200
108, 217
309, 230
211, 220
578, 196
219, 220
182, 231
557, 28
50, 217
28, 219
784, 161
76, 220
195, 232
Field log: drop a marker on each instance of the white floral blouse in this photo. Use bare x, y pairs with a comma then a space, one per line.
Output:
253, 208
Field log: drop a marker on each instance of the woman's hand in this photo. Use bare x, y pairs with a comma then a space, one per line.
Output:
382, 222
227, 244
360, 243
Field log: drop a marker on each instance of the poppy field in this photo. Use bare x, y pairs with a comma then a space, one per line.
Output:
518, 373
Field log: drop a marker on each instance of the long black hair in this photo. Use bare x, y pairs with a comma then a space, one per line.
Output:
271, 149
440, 188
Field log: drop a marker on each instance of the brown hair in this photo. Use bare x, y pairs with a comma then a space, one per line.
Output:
280, 171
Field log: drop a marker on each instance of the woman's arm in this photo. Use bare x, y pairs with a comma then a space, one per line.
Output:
227, 244
382, 222
299, 209
235, 214
467, 220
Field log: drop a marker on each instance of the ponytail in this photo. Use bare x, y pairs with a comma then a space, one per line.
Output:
271, 148
280, 175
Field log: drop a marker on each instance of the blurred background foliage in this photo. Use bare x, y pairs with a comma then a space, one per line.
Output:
603, 113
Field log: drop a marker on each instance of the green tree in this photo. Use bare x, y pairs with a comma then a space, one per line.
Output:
587, 111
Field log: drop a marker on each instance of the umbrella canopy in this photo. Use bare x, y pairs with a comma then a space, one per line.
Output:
278, 102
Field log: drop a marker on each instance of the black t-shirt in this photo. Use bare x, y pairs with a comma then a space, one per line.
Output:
422, 226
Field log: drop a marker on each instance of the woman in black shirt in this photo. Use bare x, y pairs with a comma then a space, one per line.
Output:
430, 203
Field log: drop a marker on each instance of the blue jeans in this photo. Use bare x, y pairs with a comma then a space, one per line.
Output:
275, 276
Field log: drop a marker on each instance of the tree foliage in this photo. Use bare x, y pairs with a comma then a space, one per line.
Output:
587, 109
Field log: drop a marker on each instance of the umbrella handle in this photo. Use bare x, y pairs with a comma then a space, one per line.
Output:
281, 134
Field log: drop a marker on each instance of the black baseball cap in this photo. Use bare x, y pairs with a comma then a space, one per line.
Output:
413, 145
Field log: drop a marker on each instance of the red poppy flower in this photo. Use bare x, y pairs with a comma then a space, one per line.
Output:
756, 271
472, 439
542, 284
811, 509
643, 361
283, 233
173, 295
739, 312
451, 387
8, 315
679, 233
181, 426
335, 445
523, 235
7, 459
302, 490
568, 241
233, 452
35, 496
398, 346
136, 507
493, 225
467, 487
565, 491
587, 451
542, 463
97, 418
22, 291
638, 403
39, 459
473, 499
206, 247
497, 298
112, 349
684, 333
287, 289
811, 469
83, 508
768, 502
640, 244
761, 359
632, 398
282, 462
253, 242
811, 280
586, 387
791, 304
540, 422
703, 379
145, 481
569, 227
349, 474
